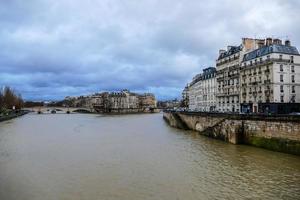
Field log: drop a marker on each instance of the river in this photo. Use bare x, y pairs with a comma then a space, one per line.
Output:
133, 157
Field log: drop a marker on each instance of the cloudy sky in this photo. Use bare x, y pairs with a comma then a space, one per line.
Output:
50, 49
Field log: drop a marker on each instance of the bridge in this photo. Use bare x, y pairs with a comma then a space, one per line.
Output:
59, 110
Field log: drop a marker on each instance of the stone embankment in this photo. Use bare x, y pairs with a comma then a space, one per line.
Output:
278, 133
12, 115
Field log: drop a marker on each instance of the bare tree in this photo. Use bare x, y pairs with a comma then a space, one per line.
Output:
11, 99
1, 101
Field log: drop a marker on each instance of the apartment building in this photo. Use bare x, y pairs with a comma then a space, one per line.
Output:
228, 74
185, 97
228, 64
202, 91
270, 78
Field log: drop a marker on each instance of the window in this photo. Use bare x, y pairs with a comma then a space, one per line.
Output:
293, 89
293, 99
281, 78
281, 68
293, 78
260, 59
281, 88
293, 68
281, 98
280, 57
268, 57
292, 59
251, 62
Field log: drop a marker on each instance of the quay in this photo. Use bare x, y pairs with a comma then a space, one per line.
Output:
13, 115
274, 132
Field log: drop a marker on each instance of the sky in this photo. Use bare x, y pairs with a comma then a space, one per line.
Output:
50, 49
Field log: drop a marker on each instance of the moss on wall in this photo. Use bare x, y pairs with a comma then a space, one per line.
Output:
275, 144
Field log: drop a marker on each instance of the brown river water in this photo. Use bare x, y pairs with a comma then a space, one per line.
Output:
133, 157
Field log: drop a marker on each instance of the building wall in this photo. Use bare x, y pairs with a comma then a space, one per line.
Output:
268, 79
227, 93
202, 91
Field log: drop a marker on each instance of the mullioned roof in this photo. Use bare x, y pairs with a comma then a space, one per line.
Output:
274, 48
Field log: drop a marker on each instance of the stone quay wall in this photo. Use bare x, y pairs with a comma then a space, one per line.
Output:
277, 133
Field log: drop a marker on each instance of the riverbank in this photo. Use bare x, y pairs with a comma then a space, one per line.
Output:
13, 115
276, 133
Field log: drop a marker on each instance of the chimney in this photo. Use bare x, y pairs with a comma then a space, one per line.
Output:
287, 43
260, 43
268, 41
277, 41
221, 51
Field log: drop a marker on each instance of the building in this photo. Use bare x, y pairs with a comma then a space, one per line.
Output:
259, 75
114, 102
185, 97
147, 101
169, 104
228, 74
202, 91
124, 102
270, 78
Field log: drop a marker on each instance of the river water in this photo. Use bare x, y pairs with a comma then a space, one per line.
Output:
130, 157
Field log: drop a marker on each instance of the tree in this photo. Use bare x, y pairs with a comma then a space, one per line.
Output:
11, 99
1, 101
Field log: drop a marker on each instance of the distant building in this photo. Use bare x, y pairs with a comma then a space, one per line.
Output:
118, 102
202, 91
169, 104
114, 102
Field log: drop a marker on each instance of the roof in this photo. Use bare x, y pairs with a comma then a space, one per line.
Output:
274, 48
209, 72
233, 50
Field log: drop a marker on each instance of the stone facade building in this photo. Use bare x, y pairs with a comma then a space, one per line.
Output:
124, 102
202, 91
185, 97
228, 74
115, 102
270, 77
260, 75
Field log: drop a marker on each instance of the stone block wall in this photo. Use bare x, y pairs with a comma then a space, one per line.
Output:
278, 134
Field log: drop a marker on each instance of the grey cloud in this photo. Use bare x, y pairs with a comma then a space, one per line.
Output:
51, 49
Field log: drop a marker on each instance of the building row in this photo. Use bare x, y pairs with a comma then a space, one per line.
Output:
260, 76
115, 102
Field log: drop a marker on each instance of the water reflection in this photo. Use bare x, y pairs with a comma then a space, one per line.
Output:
134, 157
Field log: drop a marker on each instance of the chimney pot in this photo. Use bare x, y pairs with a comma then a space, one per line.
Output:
287, 43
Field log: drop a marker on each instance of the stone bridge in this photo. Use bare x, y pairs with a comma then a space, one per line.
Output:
59, 110
279, 133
